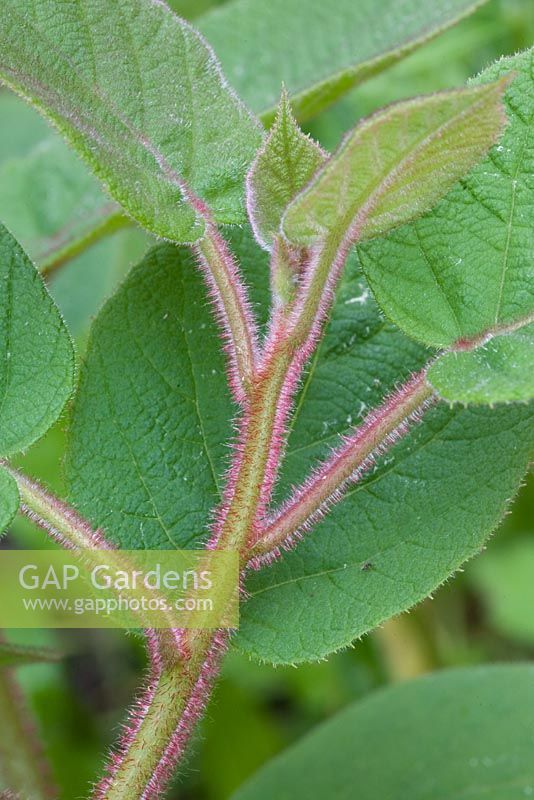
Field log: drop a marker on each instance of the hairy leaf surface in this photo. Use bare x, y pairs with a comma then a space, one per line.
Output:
140, 96
148, 433
412, 519
458, 733
319, 53
468, 266
282, 168
36, 356
396, 164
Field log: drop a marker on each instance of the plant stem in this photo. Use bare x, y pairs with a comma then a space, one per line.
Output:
233, 312
381, 429
58, 519
22, 763
290, 343
174, 701
162, 720
61, 251
164, 717
65, 526
149, 748
184, 670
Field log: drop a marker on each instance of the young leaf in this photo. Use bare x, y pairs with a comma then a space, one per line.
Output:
140, 96
282, 168
466, 268
458, 733
9, 499
320, 53
411, 519
499, 371
36, 356
15, 655
395, 165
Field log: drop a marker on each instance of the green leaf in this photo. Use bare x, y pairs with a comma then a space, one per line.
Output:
9, 499
147, 449
395, 165
147, 446
319, 53
459, 733
282, 168
503, 579
466, 268
15, 655
412, 518
140, 96
36, 356
147, 443
54, 208
499, 371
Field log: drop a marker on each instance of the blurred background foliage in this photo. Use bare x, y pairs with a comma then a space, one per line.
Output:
485, 614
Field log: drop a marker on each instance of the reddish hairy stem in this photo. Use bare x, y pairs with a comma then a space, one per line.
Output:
177, 693
59, 520
248, 490
232, 308
291, 341
380, 430
162, 720
69, 529
180, 675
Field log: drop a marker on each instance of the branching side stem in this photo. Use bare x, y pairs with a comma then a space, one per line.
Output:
60, 252
59, 520
381, 429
